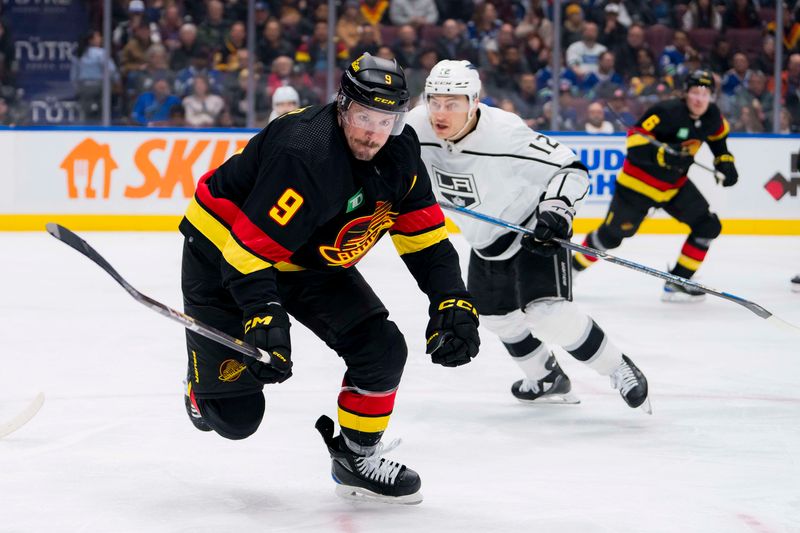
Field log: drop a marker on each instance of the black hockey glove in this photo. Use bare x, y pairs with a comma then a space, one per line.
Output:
675, 157
268, 331
724, 164
452, 332
553, 219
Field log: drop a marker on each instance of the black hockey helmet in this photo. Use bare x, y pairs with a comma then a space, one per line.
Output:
700, 78
375, 83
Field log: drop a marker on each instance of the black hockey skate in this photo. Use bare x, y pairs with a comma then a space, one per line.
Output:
631, 384
796, 283
368, 477
678, 293
191, 410
555, 387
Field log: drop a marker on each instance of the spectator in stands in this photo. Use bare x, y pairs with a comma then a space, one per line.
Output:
153, 107
86, 74
280, 73
657, 12
273, 44
414, 12
453, 43
134, 56
491, 53
386, 52
368, 41
374, 12
312, 55
177, 117
184, 80
646, 76
415, 77
627, 54
502, 80
157, 67
227, 58
791, 31
605, 81
212, 31
765, 61
701, 14
754, 94
737, 75
284, 99
484, 25
125, 30
741, 14
536, 53
628, 12
535, 23
202, 108
405, 48
169, 27
790, 78
786, 125
572, 29
262, 15
527, 100
596, 121
459, 10
187, 47
236, 99
348, 26
673, 57
5, 114
719, 60
748, 121
613, 34
583, 56
618, 113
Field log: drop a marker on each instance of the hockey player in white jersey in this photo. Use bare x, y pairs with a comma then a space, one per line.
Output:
488, 160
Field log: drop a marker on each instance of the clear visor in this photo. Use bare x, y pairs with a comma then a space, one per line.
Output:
447, 104
376, 121
699, 94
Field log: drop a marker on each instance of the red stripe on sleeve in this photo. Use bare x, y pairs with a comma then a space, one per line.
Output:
693, 252
242, 227
367, 405
634, 130
419, 220
223, 208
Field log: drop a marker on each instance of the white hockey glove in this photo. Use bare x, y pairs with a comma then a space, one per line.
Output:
553, 219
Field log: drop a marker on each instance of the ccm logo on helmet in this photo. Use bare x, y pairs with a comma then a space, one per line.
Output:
382, 100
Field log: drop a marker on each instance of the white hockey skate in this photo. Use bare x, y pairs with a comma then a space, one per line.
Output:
678, 293
555, 387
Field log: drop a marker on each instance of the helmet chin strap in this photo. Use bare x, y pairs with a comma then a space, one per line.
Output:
463, 130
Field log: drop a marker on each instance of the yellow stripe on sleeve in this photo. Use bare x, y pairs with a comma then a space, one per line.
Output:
409, 244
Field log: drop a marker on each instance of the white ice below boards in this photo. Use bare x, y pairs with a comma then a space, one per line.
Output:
112, 449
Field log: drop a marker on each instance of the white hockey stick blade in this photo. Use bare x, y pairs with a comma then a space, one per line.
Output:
23, 417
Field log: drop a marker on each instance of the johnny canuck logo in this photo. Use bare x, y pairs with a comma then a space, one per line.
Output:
358, 236
778, 186
458, 189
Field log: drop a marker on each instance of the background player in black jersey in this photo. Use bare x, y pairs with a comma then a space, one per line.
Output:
277, 231
653, 176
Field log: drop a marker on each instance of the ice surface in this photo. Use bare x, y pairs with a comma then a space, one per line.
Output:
113, 451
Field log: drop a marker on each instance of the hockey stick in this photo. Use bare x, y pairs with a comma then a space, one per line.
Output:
23, 417
718, 176
750, 306
69, 238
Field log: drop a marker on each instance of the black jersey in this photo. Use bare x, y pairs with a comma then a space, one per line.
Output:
296, 199
668, 122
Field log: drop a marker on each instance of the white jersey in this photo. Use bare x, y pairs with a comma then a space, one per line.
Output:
501, 169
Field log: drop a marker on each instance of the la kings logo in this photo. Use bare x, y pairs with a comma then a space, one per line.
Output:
458, 189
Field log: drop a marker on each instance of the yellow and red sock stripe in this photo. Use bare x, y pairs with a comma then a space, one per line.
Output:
691, 256
365, 413
585, 260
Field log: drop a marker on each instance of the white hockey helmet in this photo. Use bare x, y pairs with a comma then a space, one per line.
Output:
454, 77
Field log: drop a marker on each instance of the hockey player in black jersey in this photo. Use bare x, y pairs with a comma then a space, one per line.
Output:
654, 176
277, 231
